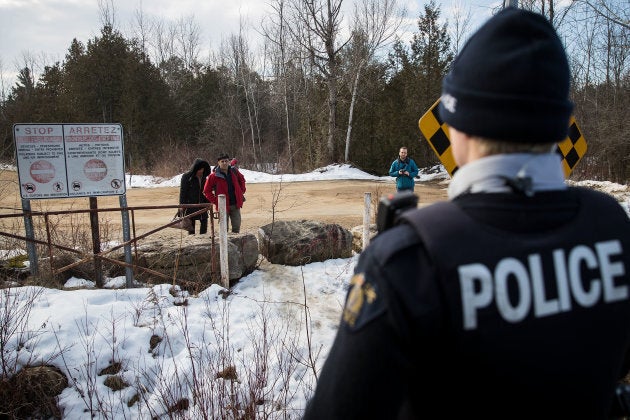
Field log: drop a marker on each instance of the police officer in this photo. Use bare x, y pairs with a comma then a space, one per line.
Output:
510, 300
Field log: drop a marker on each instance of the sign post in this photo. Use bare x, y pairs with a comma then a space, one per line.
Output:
30, 233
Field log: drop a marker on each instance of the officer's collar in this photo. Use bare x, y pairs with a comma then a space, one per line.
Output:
525, 173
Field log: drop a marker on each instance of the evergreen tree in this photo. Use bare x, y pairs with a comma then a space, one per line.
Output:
51, 105
18, 108
413, 84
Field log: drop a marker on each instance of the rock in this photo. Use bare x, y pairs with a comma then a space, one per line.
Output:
302, 242
242, 255
357, 237
192, 261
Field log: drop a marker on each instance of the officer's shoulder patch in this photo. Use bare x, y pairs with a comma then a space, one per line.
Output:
363, 303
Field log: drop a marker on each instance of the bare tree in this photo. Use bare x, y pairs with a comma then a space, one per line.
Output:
237, 57
142, 29
375, 24
582, 52
244, 75
187, 39
275, 31
107, 13
3, 97
162, 42
322, 23
606, 8
179, 40
554, 10
2, 86
461, 24
598, 45
304, 74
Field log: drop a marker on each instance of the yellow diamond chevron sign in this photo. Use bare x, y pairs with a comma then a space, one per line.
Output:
436, 133
572, 149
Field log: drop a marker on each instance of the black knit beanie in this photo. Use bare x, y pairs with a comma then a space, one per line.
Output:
510, 82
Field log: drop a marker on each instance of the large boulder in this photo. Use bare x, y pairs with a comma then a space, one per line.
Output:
303, 241
196, 260
242, 254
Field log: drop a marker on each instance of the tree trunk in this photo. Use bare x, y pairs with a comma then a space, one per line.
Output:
355, 89
332, 112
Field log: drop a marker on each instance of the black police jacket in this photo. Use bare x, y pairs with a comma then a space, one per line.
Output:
492, 306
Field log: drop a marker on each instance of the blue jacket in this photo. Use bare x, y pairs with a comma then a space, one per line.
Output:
404, 182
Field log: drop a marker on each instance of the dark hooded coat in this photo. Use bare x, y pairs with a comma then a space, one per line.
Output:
191, 188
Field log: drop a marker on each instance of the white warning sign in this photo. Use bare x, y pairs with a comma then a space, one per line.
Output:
69, 160
95, 159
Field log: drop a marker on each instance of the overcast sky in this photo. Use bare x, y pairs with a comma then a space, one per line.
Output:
45, 28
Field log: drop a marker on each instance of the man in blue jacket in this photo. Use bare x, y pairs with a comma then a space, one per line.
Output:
405, 170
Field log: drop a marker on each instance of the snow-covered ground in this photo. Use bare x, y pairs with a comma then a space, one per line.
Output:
275, 329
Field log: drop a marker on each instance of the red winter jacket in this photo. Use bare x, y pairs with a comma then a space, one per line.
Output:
216, 184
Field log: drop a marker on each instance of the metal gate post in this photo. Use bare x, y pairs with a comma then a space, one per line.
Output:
124, 213
30, 234
96, 242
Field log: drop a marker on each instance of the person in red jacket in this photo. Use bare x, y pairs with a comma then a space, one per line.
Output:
234, 166
230, 182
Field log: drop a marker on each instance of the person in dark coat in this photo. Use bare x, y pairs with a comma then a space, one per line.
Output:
191, 192
511, 300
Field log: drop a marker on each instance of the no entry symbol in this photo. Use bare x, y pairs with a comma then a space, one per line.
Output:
95, 169
42, 171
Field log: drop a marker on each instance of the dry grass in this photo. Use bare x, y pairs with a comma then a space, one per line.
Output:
32, 392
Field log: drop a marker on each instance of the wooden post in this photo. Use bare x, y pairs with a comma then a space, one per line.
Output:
366, 219
223, 243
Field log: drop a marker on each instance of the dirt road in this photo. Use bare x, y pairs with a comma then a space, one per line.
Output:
340, 202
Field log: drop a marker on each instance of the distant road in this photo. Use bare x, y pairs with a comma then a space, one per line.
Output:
338, 202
